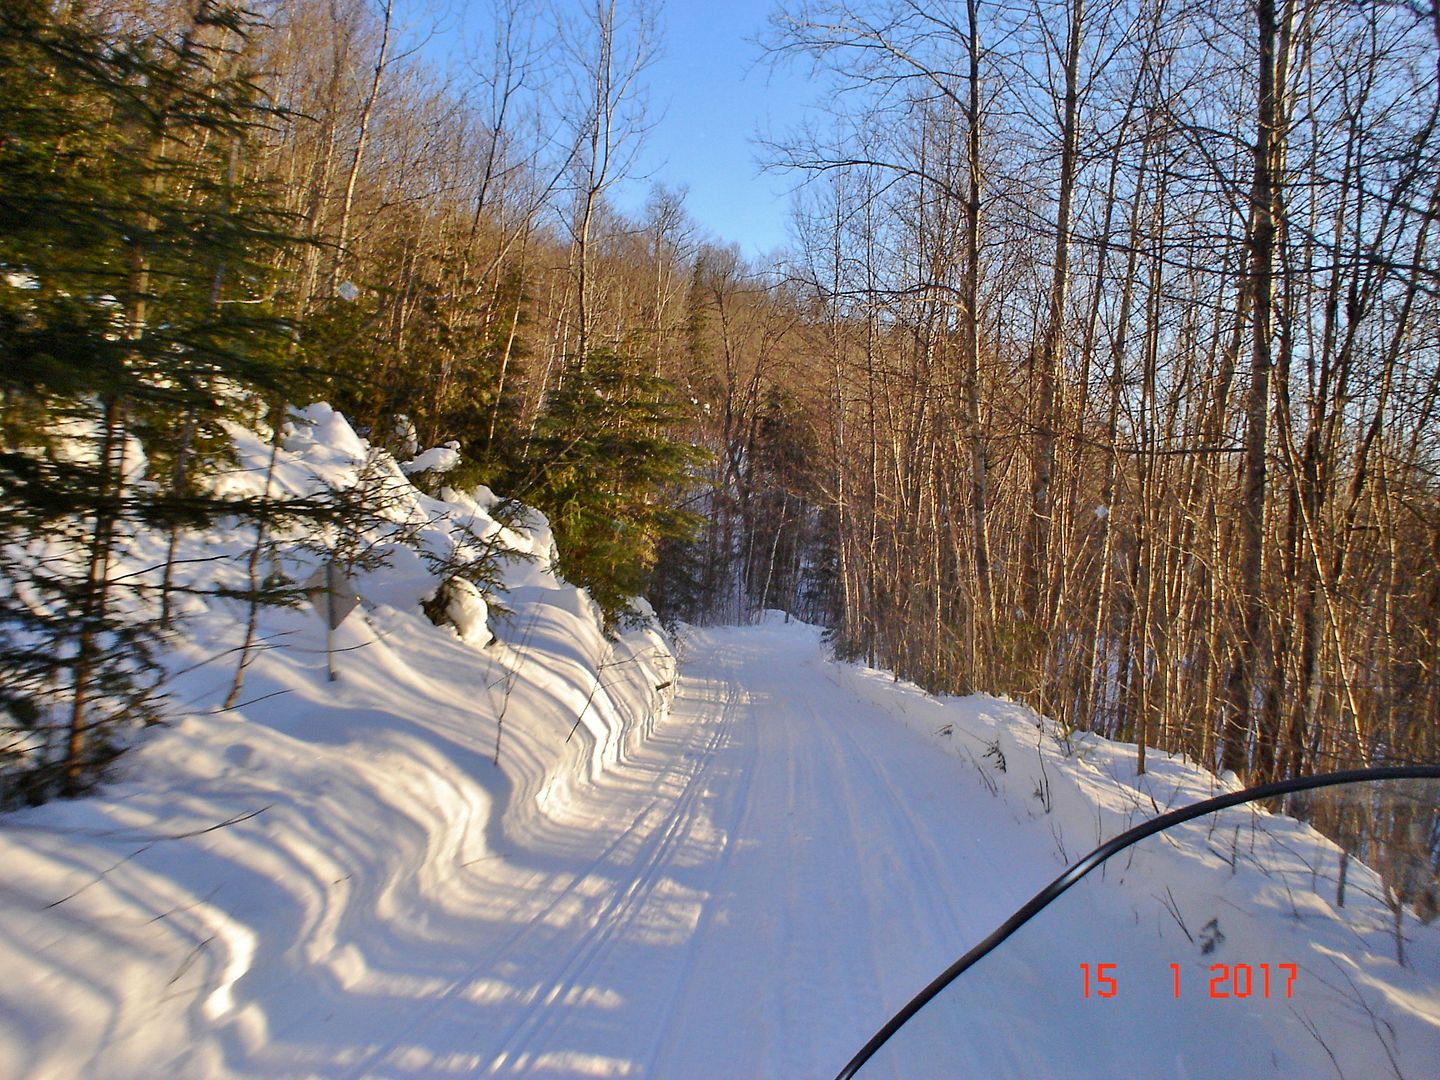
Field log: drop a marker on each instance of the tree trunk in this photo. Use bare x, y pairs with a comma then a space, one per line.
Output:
1252, 653
347, 201
975, 436
1042, 460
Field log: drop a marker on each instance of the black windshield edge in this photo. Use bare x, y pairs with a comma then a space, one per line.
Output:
1119, 843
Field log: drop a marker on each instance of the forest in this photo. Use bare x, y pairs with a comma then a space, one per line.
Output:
1101, 372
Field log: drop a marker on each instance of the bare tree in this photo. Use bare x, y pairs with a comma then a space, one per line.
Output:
608, 51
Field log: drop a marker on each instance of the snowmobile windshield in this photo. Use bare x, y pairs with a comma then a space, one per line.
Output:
1285, 930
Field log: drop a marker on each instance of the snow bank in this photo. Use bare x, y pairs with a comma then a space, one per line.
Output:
258, 870
1245, 888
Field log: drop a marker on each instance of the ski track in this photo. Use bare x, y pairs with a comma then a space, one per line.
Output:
609, 925
741, 813
824, 900
432, 1011
550, 956
763, 893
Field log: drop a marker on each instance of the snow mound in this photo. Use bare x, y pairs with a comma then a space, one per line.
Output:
438, 459
267, 869
466, 610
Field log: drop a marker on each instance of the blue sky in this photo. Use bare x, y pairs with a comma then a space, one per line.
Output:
711, 92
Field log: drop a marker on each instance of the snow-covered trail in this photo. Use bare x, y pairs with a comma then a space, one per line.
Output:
748, 889
775, 870
750, 895
856, 865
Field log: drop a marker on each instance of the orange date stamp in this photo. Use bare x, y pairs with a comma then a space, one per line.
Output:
1227, 981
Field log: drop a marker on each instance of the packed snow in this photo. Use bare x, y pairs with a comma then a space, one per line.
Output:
510, 844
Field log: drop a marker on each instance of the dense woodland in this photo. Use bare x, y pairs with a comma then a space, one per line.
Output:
1102, 372
1130, 318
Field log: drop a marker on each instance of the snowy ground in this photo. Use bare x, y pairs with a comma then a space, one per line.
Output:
337, 880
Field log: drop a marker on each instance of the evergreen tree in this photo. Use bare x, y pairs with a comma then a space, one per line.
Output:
603, 469
126, 231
